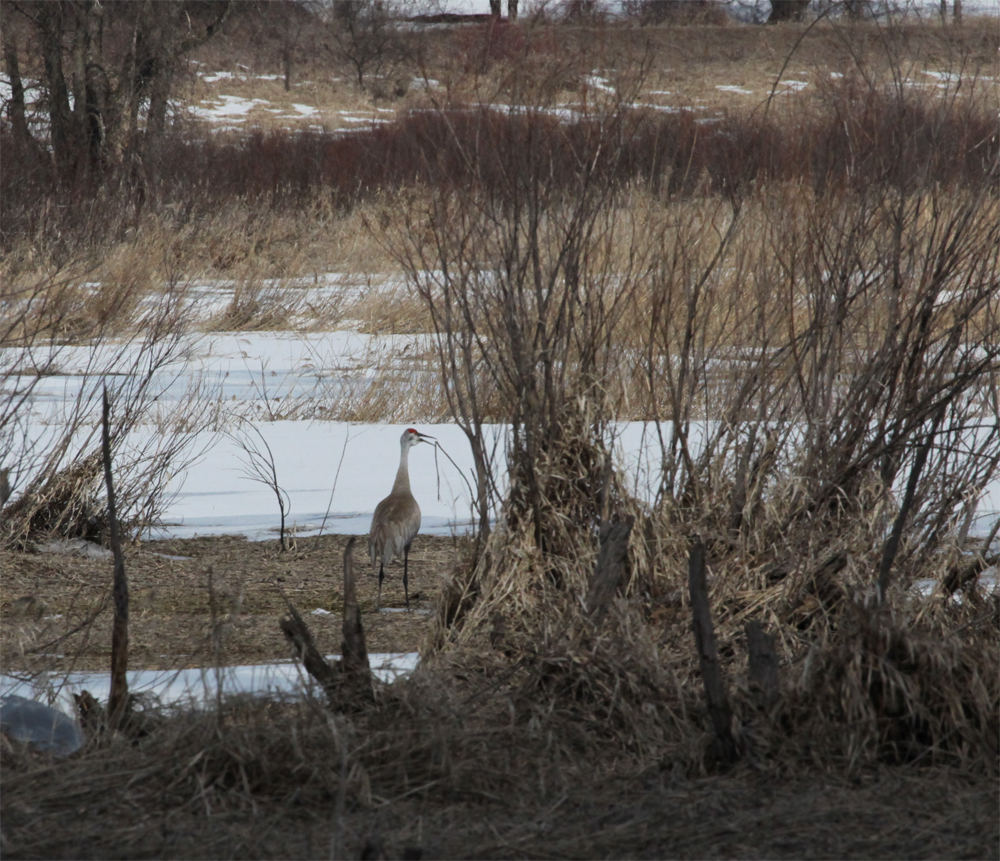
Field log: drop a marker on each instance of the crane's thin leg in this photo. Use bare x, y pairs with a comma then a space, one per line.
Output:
406, 579
381, 577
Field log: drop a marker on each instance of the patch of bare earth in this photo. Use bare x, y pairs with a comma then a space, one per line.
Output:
182, 590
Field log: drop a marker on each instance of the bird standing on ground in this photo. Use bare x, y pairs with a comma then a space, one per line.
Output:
397, 519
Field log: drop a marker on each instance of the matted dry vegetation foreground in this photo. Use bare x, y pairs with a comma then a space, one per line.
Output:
799, 292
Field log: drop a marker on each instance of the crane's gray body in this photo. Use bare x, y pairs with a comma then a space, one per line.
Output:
394, 526
396, 521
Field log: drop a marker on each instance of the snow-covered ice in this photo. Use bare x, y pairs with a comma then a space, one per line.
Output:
195, 686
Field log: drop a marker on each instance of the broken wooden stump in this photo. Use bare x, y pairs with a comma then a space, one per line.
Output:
610, 567
349, 679
300, 637
708, 655
763, 665
354, 653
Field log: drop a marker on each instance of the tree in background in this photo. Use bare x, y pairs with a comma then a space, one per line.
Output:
495, 9
368, 37
787, 10
678, 11
107, 70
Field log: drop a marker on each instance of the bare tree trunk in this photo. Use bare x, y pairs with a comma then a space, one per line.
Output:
345, 10
957, 11
51, 26
89, 86
787, 10
495, 8
79, 53
512, 10
163, 49
482, 482
15, 107
855, 9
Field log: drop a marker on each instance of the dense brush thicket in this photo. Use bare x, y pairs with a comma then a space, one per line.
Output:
851, 134
817, 354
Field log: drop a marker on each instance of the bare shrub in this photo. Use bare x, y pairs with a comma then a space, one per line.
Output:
259, 466
820, 365
58, 475
368, 38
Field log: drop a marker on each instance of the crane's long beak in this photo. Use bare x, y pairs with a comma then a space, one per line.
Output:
424, 438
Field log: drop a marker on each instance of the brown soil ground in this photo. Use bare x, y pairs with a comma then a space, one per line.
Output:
181, 590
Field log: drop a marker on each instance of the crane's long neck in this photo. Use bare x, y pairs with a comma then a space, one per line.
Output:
402, 483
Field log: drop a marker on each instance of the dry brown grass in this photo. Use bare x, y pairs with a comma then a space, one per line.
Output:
451, 765
594, 739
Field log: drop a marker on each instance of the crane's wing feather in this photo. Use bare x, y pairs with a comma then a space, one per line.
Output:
394, 525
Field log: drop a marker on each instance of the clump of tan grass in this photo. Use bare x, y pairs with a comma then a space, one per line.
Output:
257, 305
387, 388
387, 306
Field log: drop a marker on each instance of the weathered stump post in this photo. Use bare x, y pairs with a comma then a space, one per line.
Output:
708, 654
351, 677
354, 652
763, 665
609, 568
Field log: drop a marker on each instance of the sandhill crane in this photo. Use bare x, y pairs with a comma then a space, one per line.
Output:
397, 518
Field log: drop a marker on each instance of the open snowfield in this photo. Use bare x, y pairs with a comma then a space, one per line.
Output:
333, 473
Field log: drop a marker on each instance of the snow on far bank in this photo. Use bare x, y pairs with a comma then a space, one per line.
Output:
272, 378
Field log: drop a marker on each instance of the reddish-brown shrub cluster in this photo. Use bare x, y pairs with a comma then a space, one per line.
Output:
496, 41
858, 137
